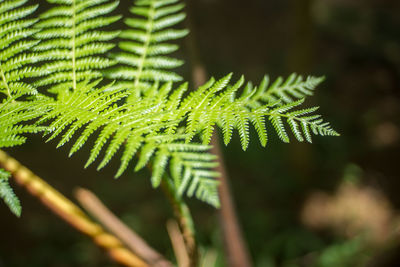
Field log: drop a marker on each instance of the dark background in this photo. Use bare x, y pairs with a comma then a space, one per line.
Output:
354, 44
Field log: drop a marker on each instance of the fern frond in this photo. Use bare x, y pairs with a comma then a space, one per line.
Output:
141, 128
142, 114
8, 195
293, 88
144, 58
300, 122
215, 103
158, 127
12, 115
191, 168
15, 57
71, 31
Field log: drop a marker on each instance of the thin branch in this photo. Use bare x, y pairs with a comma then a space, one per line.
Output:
185, 221
178, 243
96, 208
183, 216
235, 246
69, 212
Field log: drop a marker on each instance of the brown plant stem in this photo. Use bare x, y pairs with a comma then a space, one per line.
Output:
178, 243
184, 218
132, 240
235, 246
234, 243
236, 250
69, 212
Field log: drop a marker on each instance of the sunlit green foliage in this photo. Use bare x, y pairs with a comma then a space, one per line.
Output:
7, 194
146, 45
143, 113
71, 31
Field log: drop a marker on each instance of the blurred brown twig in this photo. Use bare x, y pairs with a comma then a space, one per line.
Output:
96, 208
69, 212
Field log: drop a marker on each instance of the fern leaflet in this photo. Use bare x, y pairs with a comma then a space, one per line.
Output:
293, 88
71, 31
215, 104
144, 46
7, 194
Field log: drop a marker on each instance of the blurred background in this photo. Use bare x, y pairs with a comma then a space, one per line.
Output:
333, 203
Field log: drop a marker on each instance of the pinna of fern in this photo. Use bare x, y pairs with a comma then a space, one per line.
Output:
15, 57
159, 126
144, 51
211, 105
71, 31
8, 195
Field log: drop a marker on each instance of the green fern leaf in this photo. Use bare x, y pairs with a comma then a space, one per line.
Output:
258, 121
15, 60
15, 66
157, 121
71, 31
142, 113
7, 194
296, 118
145, 53
279, 127
293, 88
215, 103
159, 163
145, 155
